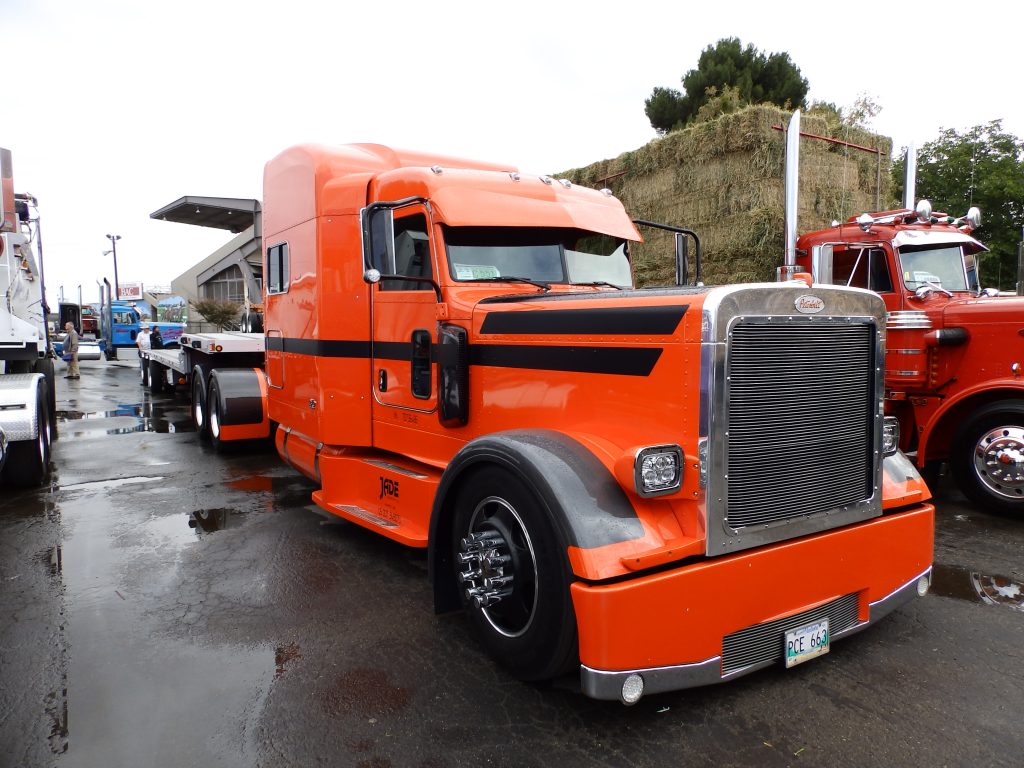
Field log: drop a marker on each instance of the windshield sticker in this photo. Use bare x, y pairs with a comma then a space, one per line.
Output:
475, 271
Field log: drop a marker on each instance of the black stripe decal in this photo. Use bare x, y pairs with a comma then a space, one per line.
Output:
658, 320
622, 361
319, 348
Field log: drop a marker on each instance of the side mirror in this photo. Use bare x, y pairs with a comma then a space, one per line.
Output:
378, 239
453, 376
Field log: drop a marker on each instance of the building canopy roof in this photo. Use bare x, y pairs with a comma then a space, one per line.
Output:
230, 213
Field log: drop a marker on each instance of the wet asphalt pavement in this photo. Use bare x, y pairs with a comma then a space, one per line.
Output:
163, 605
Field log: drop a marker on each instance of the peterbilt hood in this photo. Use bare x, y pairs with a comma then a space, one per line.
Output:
987, 310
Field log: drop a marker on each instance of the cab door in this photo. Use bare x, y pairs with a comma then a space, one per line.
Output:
404, 304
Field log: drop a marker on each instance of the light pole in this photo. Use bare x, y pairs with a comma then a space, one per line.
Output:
113, 249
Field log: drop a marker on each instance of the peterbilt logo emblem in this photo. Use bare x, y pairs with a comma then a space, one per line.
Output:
809, 305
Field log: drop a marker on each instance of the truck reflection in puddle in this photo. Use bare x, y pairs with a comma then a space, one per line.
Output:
965, 584
210, 520
127, 418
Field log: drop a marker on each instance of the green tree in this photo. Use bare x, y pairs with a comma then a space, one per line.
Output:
220, 312
984, 166
756, 77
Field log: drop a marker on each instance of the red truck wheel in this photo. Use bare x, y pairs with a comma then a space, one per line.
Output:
513, 576
987, 459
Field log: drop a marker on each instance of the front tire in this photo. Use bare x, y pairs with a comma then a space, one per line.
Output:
514, 576
987, 457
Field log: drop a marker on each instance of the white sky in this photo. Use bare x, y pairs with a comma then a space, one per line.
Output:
114, 108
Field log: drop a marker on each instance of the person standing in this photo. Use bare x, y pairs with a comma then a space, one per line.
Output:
71, 348
142, 340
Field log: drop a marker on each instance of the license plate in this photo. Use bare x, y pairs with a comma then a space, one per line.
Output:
806, 642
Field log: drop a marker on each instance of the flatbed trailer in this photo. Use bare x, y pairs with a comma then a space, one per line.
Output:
207, 365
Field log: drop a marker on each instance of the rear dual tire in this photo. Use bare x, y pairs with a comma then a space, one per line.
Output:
200, 412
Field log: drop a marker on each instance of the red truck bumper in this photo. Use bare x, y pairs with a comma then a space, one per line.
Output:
718, 619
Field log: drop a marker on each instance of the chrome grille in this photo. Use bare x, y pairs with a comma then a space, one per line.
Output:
800, 415
763, 643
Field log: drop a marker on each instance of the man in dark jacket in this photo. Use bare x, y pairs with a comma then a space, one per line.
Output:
70, 351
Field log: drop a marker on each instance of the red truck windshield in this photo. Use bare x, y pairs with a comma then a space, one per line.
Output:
943, 266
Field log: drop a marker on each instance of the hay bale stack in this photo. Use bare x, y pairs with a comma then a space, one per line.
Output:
724, 180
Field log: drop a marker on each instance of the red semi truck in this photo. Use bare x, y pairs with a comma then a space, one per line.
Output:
654, 489
954, 351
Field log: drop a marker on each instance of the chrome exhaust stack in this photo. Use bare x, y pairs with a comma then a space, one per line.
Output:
789, 269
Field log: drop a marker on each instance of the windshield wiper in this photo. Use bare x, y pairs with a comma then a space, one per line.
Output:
513, 279
601, 282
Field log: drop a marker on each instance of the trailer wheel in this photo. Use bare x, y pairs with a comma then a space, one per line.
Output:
200, 418
28, 461
213, 413
987, 457
514, 576
44, 365
144, 371
156, 377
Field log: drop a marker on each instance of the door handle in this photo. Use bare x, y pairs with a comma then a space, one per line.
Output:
382, 380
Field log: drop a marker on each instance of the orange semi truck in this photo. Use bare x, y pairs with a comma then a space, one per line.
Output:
654, 489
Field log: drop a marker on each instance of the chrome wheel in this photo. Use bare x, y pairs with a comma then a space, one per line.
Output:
999, 461
499, 567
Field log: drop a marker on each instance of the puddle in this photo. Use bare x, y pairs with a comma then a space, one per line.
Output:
105, 484
211, 520
965, 584
128, 418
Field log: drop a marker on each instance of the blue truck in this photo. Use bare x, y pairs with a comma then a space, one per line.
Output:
120, 323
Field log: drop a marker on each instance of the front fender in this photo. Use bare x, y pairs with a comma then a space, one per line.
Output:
586, 505
956, 407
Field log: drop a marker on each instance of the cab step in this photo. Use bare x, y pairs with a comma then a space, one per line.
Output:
388, 494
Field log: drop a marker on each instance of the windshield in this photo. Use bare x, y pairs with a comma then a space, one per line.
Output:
545, 255
942, 266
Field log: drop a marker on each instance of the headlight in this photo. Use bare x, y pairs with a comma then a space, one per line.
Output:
890, 435
658, 470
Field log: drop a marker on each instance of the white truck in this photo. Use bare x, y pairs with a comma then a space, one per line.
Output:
208, 365
27, 393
